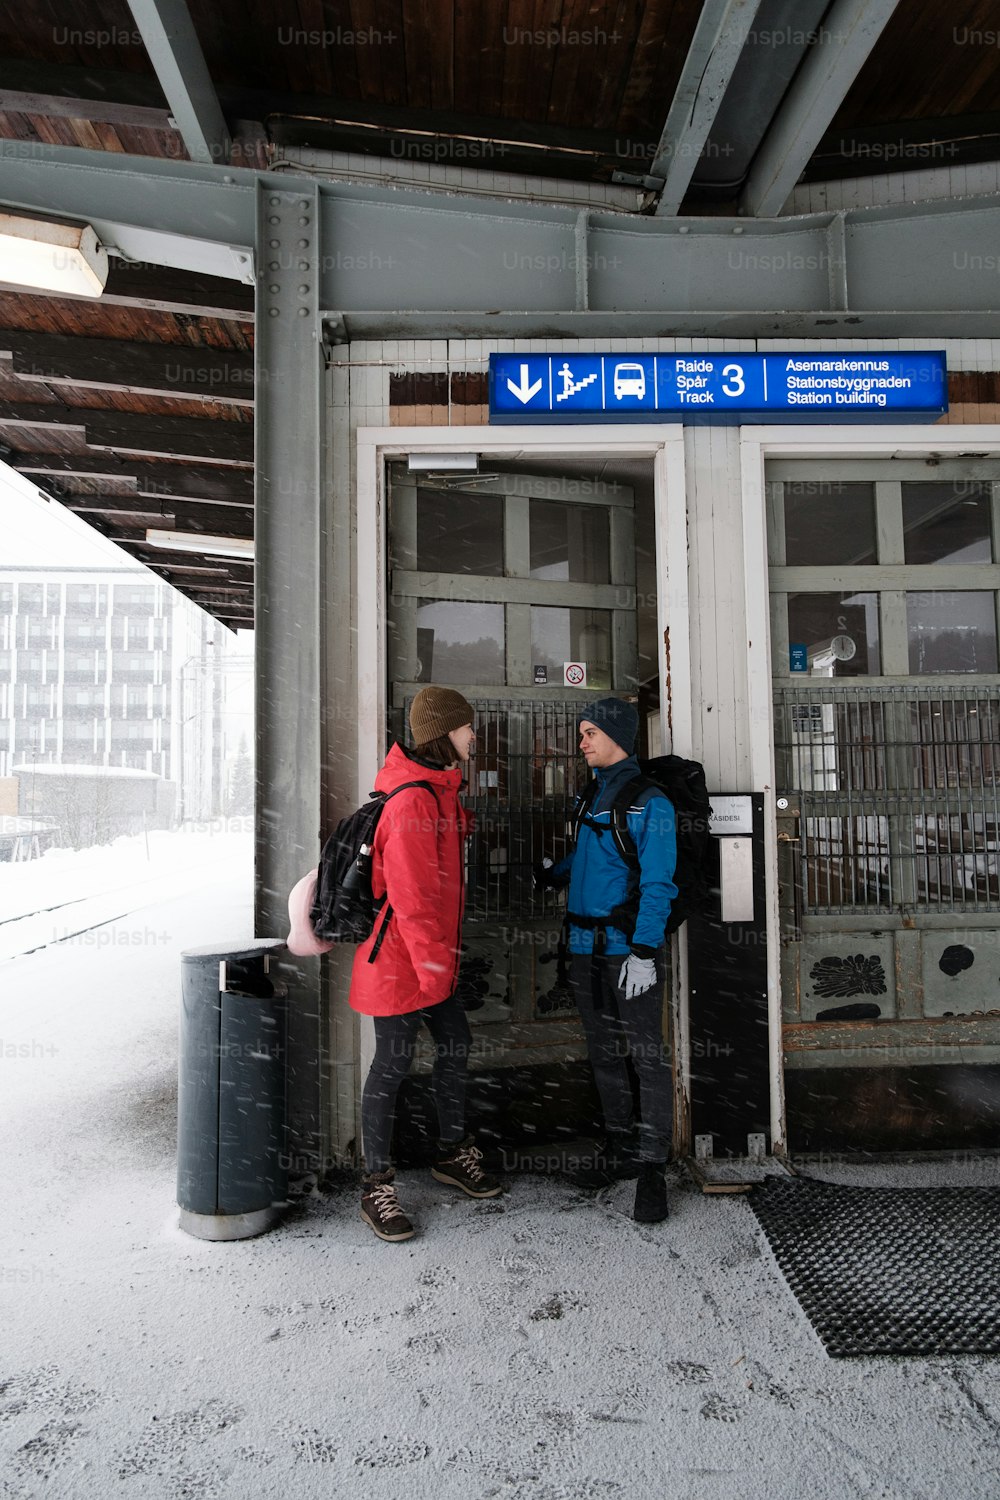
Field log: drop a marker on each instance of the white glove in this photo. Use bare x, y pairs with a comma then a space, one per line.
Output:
637, 976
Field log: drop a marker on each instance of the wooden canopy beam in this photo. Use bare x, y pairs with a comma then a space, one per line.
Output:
178, 438
194, 483
182, 371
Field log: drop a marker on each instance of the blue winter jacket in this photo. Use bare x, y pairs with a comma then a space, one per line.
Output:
599, 877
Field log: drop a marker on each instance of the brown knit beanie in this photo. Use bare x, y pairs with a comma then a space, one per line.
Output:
435, 710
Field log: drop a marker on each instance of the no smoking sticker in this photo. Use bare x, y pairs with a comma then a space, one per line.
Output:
575, 673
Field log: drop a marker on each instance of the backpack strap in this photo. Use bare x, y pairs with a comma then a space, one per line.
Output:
632, 797
405, 786
582, 807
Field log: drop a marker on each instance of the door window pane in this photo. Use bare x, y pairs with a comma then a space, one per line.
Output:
952, 632
569, 543
459, 533
840, 632
829, 521
461, 642
947, 523
579, 635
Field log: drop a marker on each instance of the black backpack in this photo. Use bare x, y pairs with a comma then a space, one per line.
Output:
344, 909
683, 783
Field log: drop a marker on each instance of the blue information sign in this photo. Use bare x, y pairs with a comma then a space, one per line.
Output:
808, 386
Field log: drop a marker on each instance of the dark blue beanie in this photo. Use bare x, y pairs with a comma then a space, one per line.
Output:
618, 720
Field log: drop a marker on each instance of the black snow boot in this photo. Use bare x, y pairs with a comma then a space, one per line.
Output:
650, 1193
612, 1159
380, 1208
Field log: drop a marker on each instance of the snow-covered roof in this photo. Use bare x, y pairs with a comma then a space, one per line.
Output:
115, 773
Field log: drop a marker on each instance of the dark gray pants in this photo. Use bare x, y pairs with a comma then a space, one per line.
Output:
395, 1040
617, 1028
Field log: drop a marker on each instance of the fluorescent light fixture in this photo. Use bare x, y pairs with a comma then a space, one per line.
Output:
202, 543
51, 257
421, 463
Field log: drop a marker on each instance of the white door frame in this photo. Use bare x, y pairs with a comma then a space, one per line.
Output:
757, 444
664, 445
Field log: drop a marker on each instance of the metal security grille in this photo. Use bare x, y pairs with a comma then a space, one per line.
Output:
898, 797
523, 782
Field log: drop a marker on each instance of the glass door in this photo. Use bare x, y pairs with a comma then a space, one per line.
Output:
519, 591
884, 592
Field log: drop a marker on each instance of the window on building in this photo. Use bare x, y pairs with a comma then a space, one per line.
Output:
134, 599
460, 642
81, 598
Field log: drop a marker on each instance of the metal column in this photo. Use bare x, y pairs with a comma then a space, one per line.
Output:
288, 372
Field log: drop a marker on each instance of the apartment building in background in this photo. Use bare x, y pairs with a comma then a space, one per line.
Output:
112, 668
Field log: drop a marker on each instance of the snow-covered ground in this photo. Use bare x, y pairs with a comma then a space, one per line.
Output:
537, 1347
70, 895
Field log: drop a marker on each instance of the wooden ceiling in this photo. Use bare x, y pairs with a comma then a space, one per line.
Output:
137, 410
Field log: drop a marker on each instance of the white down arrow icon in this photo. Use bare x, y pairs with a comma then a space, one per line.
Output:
524, 391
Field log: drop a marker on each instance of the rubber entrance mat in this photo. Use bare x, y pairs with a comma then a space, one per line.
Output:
889, 1270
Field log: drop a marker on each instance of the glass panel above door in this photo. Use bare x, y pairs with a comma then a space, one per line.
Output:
560, 635
952, 632
569, 543
839, 631
460, 533
947, 523
460, 642
829, 522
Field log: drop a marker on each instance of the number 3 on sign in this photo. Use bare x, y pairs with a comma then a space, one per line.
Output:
733, 382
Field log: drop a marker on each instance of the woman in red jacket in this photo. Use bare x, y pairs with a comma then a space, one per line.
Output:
418, 863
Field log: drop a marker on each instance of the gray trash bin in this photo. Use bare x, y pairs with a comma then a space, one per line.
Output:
232, 1162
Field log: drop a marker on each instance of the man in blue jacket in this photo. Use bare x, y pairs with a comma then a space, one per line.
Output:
617, 971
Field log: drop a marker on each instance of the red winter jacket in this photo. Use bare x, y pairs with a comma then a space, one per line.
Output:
419, 862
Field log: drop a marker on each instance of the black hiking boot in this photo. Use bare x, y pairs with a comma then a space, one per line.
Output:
612, 1159
458, 1166
650, 1193
380, 1208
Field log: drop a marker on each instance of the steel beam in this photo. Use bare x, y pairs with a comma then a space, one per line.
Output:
289, 618
848, 33
408, 263
172, 199
708, 68
175, 52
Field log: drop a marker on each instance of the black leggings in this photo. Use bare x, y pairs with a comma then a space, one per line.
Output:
395, 1039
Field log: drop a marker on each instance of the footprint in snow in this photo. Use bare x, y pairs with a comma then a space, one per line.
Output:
311, 1447
48, 1451
687, 1372
163, 1446
389, 1454
719, 1410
